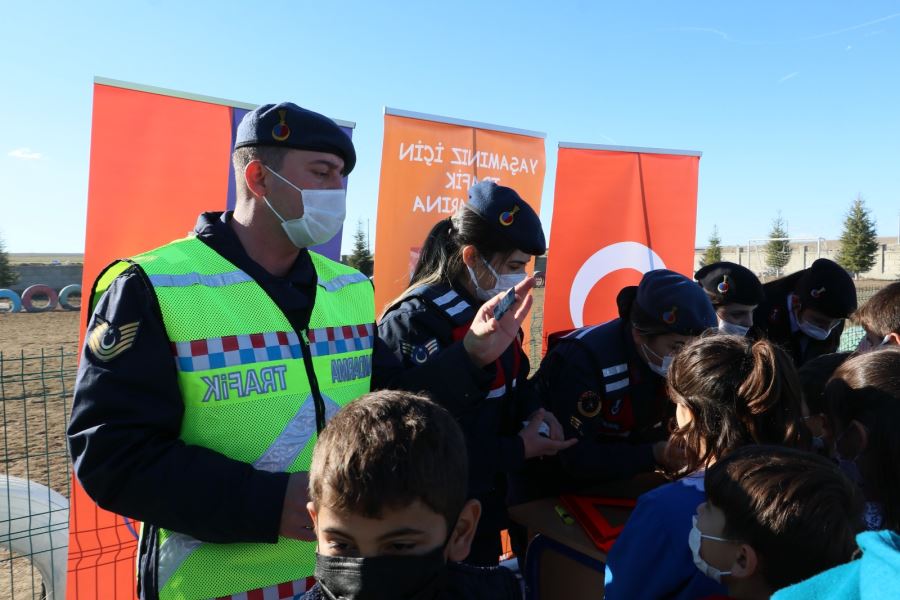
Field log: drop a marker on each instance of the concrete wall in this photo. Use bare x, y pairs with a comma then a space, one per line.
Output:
886, 267
56, 276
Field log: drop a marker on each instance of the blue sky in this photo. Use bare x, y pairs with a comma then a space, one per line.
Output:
795, 105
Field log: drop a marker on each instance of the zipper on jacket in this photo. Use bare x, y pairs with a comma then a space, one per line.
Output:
313, 382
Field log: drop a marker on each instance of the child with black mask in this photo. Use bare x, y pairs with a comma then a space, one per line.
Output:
387, 490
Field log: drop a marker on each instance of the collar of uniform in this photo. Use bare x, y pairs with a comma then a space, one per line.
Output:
465, 295
214, 229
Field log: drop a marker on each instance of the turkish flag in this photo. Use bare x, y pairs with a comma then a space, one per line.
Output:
617, 213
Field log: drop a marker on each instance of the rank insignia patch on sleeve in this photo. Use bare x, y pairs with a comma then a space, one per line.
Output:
420, 353
107, 341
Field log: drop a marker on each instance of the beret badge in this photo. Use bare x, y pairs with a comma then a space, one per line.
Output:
723, 286
669, 317
508, 216
281, 131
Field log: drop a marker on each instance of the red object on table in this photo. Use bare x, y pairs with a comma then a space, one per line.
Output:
593, 514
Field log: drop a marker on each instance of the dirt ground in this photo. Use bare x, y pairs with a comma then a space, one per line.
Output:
38, 354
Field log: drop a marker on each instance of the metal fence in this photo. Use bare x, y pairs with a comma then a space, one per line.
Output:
34, 472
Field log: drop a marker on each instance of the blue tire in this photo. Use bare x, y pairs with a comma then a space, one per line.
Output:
13, 299
66, 293
39, 290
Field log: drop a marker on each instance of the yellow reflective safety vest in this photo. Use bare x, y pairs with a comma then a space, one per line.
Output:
254, 390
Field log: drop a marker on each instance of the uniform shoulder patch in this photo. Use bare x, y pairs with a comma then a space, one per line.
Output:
106, 341
420, 353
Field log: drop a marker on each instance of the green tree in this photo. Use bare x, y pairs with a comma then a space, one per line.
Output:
361, 259
8, 275
778, 249
713, 252
859, 240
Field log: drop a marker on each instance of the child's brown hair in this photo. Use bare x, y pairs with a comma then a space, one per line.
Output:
738, 392
866, 389
881, 313
797, 511
389, 449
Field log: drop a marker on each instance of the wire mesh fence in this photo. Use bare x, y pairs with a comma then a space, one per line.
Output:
34, 471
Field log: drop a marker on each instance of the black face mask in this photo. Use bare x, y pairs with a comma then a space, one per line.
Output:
404, 577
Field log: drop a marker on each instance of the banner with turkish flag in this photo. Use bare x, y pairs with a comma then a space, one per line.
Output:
618, 212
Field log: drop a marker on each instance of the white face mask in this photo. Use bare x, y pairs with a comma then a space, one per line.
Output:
323, 215
501, 282
661, 369
865, 346
694, 539
816, 333
732, 328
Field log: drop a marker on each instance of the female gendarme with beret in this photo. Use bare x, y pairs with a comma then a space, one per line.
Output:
466, 261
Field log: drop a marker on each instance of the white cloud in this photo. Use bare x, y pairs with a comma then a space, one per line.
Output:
25, 154
717, 32
788, 76
852, 28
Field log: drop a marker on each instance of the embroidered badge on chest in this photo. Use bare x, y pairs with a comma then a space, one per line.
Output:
107, 341
589, 404
420, 353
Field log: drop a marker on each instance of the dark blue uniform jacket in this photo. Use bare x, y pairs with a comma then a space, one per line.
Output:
604, 394
430, 322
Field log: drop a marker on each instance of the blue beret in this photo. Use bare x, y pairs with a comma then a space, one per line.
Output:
676, 302
286, 125
827, 287
509, 216
730, 283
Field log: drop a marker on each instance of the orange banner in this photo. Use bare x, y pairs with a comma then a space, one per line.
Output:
156, 163
427, 166
617, 213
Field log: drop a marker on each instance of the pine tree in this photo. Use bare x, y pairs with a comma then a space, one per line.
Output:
778, 251
361, 259
859, 240
713, 252
8, 275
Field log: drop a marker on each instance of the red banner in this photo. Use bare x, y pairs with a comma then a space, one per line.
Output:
617, 213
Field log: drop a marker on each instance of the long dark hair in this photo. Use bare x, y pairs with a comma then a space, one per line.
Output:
866, 388
440, 260
738, 392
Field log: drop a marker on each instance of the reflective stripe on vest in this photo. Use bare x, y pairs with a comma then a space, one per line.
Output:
241, 370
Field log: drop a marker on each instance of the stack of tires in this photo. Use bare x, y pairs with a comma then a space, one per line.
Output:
41, 298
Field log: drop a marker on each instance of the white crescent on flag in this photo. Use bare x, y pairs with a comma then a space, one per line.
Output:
615, 257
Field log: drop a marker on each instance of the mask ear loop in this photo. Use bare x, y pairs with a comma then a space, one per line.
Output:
279, 176
492, 271
277, 214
